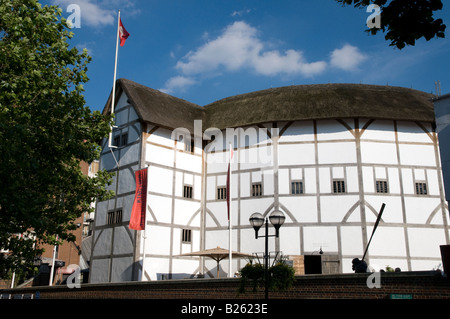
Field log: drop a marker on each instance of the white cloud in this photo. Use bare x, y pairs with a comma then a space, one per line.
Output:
240, 13
177, 83
239, 47
292, 62
347, 58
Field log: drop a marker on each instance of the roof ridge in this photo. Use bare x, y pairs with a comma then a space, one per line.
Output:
286, 103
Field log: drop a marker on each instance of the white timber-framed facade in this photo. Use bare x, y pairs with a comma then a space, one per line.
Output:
327, 156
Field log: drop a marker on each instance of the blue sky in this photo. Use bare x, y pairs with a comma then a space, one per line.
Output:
206, 50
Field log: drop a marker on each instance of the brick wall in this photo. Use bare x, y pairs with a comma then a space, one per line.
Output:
418, 285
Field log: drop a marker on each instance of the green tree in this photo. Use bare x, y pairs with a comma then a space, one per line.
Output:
405, 21
281, 276
45, 132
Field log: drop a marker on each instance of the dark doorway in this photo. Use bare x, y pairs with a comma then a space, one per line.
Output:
313, 264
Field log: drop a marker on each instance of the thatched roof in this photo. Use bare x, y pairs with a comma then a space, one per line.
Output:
300, 102
321, 101
158, 108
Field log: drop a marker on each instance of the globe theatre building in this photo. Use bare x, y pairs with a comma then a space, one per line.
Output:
327, 156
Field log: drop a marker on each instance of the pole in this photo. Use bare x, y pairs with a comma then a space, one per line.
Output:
374, 228
143, 247
145, 239
13, 279
113, 97
266, 263
52, 270
229, 221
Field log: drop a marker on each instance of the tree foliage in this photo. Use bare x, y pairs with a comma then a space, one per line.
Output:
45, 132
281, 276
405, 21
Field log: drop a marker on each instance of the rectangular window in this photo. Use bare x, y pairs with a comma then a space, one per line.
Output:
124, 139
118, 216
382, 187
114, 217
186, 236
221, 193
339, 186
421, 188
256, 190
117, 140
110, 218
121, 140
187, 192
296, 188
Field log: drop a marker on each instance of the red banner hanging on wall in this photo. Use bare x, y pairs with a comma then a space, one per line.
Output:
137, 219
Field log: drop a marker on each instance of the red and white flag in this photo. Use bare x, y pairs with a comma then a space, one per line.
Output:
123, 33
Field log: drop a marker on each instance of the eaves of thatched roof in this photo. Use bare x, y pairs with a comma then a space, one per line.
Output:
158, 108
290, 103
321, 101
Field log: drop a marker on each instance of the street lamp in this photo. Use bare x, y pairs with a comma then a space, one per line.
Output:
257, 220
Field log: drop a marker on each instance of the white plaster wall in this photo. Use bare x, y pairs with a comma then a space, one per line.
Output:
161, 207
332, 130
336, 152
325, 220
378, 153
299, 132
352, 243
296, 154
159, 155
380, 130
161, 136
160, 180
289, 240
424, 242
422, 155
334, 208
315, 237
387, 241
158, 240
303, 207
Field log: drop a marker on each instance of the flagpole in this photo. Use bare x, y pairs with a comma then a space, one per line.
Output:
113, 97
145, 237
229, 220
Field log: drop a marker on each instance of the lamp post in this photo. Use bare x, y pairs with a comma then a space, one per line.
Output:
257, 220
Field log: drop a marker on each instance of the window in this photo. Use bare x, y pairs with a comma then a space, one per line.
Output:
338, 186
257, 190
114, 217
296, 188
124, 139
117, 140
421, 188
186, 236
121, 140
221, 193
187, 193
382, 187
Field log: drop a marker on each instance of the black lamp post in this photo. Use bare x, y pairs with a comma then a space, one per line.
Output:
257, 220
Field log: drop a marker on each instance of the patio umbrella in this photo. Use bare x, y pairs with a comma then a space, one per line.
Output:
217, 254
